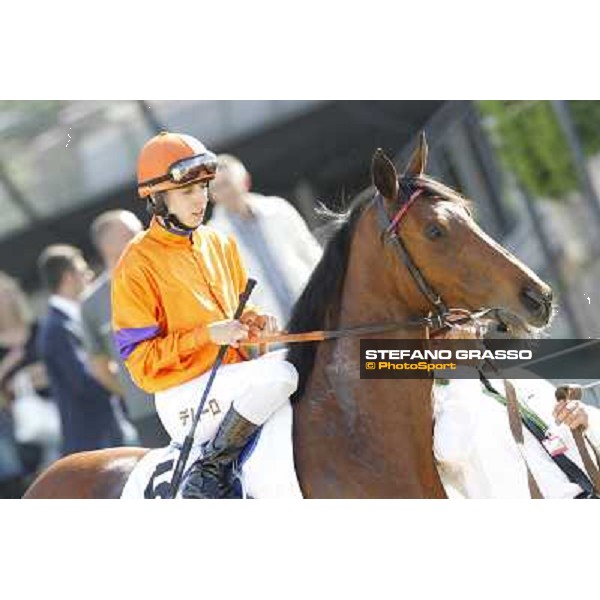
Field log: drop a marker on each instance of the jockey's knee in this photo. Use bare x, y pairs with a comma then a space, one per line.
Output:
268, 393
283, 378
276, 378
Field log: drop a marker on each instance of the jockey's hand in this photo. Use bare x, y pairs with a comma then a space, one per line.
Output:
258, 324
468, 331
228, 332
568, 409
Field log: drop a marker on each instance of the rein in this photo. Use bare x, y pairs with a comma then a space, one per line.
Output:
455, 317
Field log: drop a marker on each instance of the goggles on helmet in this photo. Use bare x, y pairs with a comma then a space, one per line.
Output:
201, 166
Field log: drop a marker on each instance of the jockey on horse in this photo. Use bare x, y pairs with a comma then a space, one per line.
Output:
174, 292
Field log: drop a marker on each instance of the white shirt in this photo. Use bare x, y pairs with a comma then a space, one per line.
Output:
277, 248
476, 453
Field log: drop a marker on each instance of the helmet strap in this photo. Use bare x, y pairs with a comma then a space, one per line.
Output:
159, 208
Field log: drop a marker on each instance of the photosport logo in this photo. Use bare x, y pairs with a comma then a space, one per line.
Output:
457, 359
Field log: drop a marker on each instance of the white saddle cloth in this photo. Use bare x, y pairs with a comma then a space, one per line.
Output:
267, 470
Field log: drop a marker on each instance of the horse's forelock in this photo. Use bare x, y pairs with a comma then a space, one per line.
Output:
436, 188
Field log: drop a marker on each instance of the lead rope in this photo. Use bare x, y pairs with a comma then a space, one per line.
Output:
591, 469
516, 428
515, 424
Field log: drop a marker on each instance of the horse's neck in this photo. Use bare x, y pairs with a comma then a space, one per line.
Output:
364, 438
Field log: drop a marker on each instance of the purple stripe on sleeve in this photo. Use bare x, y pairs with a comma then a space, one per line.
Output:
128, 339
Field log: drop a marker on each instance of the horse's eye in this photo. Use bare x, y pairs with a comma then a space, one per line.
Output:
433, 231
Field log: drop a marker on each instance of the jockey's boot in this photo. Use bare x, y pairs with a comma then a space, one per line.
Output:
212, 476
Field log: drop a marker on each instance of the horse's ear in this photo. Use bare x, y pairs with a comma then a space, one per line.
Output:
385, 177
418, 161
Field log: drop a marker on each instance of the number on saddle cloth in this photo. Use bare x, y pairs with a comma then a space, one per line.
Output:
159, 485
161, 489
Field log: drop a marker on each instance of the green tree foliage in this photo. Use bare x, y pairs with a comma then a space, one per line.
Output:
586, 115
531, 144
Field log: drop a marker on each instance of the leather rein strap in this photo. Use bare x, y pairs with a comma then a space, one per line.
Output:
454, 318
580, 441
590, 467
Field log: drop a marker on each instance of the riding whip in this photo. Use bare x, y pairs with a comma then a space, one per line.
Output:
189, 439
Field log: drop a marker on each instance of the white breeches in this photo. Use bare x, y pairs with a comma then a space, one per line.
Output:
256, 388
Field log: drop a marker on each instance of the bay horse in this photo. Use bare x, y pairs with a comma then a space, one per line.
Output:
411, 249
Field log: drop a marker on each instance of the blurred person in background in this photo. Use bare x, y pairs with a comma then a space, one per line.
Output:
87, 414
111, 232
274, 241
22, 449
11, 353
12, 482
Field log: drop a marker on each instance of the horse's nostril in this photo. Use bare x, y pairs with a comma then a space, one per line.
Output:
536, 301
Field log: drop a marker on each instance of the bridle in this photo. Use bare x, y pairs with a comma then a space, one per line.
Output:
391, 235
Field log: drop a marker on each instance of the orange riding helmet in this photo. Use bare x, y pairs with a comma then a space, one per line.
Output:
172, 160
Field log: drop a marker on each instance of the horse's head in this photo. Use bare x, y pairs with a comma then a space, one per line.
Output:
464, 266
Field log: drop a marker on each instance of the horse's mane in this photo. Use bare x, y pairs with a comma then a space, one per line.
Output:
318, 306
319, 303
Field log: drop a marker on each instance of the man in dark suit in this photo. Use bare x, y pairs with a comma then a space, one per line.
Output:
87, 415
